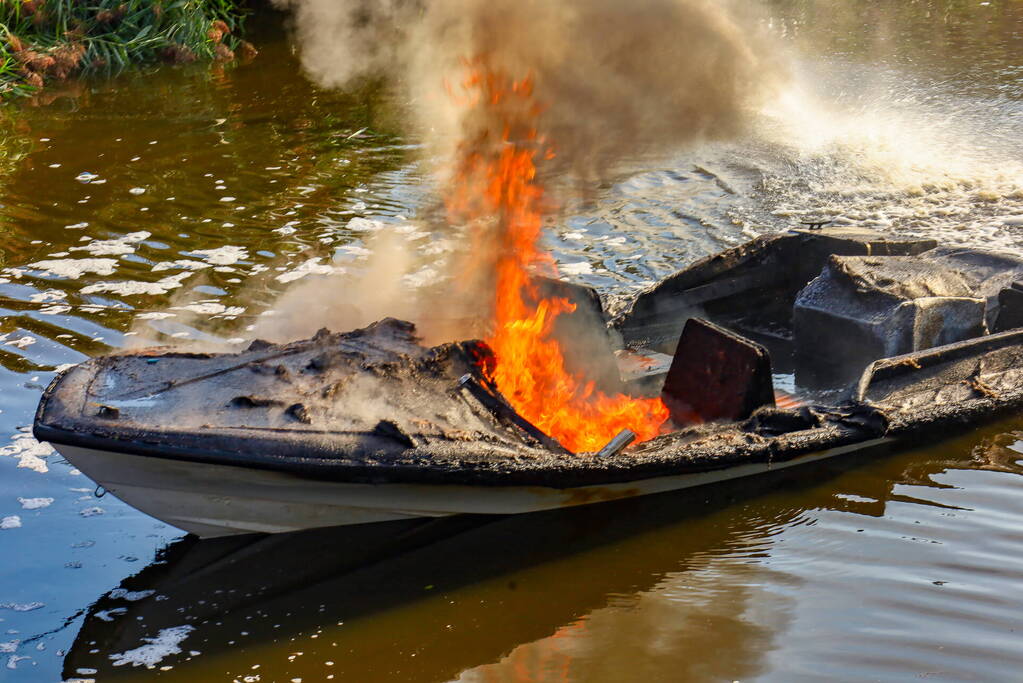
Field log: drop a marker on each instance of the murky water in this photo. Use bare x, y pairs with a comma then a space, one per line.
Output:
177, 205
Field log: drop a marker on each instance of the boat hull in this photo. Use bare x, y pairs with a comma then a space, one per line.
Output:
212, 500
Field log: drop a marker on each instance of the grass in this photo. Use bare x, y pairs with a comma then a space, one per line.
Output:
45, 41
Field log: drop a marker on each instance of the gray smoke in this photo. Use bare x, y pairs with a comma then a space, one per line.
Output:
614, 78
613, 81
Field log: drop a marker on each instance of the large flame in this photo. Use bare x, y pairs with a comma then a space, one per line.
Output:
496, 185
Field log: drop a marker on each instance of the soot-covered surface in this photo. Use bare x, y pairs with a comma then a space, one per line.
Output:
372, 393
373, 405
369, 405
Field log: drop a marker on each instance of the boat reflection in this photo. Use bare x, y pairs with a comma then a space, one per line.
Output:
443, 599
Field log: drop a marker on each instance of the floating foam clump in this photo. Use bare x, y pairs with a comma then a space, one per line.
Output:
167, 642
35, 503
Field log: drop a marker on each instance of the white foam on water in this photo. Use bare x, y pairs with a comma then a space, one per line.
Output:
131, 596
22, 607
10, 522
29, 452
22, 342
360, 224
223, 256
205, 308
12, 661
310, 267
109, 614
9, 647
115, 247
878, 148
167, 642
128, 288
73, 269
92, 512
48, 295
35, 503
581, 268
181, 264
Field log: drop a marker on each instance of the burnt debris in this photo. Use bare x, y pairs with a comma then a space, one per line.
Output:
716, 375
587, 348
861, 308
377, 386
617, 444
300, 412
255, 402
490, 398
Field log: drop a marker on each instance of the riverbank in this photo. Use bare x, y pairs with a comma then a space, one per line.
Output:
43, 42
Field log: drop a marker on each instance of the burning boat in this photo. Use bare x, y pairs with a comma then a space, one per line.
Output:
784, 351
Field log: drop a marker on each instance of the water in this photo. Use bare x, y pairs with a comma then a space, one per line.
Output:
177, 205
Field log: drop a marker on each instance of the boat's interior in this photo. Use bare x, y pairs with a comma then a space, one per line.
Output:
805, 340
815, 306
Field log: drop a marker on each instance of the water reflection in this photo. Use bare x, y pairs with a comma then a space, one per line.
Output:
177, 189
676, 587
426, 601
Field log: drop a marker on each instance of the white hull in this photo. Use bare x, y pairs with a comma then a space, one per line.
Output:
220, 500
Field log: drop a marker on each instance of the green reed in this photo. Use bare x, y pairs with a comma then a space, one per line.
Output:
44, 41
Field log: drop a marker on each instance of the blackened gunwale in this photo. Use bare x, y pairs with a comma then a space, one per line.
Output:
545, 470
703, 449
351, 457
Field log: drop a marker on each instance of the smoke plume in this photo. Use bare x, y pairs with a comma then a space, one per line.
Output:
610, 81
614, 78
394, 280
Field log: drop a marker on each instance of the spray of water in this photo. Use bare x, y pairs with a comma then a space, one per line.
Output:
870, 140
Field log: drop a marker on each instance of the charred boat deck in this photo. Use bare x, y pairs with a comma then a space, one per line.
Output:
884, 341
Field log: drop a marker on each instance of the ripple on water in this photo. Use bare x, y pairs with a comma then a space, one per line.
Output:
253, 187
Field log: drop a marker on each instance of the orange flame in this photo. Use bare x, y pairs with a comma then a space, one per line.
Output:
496, 183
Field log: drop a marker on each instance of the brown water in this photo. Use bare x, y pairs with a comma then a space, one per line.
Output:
178, 204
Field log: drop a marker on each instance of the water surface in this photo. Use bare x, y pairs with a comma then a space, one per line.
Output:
177, 205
